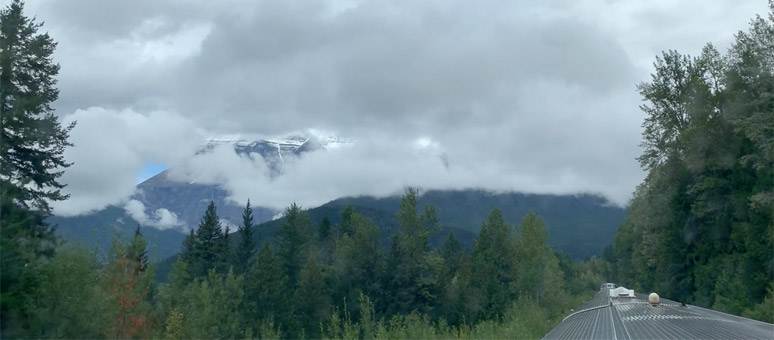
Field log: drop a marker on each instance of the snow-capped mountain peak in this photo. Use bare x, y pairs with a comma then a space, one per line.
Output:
275, 151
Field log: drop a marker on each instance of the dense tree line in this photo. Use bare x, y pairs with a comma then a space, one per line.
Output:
317, 281
313, 282
701, 225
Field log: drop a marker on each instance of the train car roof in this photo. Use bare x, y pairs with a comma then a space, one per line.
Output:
603, 317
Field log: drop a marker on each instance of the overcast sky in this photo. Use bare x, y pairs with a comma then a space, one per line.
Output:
532, 96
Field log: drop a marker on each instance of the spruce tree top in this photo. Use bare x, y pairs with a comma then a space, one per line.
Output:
31, 139
209, 228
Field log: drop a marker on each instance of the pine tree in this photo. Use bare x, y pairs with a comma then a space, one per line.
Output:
294, 241
173, 327
413, 266
358, 260
538, 273
266, 289
128, 286
245, 251
345, 226
326, 241
32, 143
188, 251
459, 301
452, 254
325, 229
226, 252
493, 271
137, 251
311, 298
208, 252
453, 284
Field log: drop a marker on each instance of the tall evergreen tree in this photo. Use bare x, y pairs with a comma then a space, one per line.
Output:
128, 285
493, 271
266, 289
345, 226
538, 273
295, 238
326, 241
227, 252
325, 229
452, 253
209, 247
137, 251
311, 298
245, 252
32, 143
358, 261
455, 279
188, 250
415, 269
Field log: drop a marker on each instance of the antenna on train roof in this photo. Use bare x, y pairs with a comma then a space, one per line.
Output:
653, 299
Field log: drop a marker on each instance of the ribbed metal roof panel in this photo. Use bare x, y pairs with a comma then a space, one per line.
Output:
633, 318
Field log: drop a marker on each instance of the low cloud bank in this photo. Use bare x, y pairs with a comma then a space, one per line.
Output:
160, 218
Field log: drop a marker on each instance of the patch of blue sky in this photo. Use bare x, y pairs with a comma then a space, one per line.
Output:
151, 169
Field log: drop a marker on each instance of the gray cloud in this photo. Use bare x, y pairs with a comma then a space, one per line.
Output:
160, 218
111, 147
527, 96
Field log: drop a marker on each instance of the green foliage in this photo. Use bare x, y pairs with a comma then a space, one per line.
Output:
209, 248
525, 319
311, 298
700, 227
137, 250
32, 141
128, 283
452, 253
455, 281
581, 225
245, 252
26, 242
538, 274
211, 307
494, 267
71, 302
325, 229
358, 261
173, 328
79, 297
267, 292
763, 311
116, 299
415, 268
295, 239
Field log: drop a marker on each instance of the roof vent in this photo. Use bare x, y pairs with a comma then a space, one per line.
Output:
621, 292
653, 299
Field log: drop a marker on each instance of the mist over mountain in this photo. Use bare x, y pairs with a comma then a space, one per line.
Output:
165, 207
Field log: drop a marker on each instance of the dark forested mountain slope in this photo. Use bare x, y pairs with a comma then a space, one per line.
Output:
578, 225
